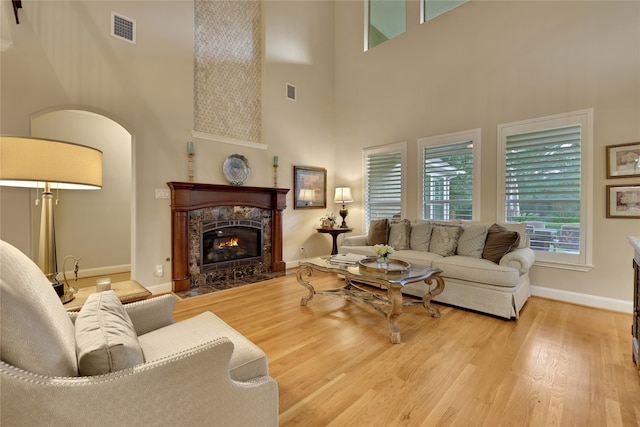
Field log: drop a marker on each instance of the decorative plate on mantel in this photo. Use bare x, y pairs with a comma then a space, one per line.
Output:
236, 169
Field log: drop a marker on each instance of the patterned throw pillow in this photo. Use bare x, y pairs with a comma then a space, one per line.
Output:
399, 234
420, 236
444, 239
472, 240
500, 242
378, 232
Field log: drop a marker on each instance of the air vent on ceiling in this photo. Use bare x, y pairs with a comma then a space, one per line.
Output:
123, 28
291, 92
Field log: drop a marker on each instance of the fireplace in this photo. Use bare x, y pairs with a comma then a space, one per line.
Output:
232, 243
202, 214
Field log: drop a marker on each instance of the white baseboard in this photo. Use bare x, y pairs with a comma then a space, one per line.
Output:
623, 306
98, 271
161, 288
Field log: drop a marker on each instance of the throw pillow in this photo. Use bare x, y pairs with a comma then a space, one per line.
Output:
420, 236
500, 242
472, 240
444, 239
105, 338
378, 232
399, 234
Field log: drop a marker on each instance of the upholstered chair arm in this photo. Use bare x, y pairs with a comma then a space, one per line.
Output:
360, 240
151, 314
188, 388
521, 259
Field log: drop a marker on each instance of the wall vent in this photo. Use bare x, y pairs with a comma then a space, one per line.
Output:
123, 28
291, 92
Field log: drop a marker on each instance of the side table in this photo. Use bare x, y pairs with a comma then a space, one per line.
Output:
127, 291
335, 232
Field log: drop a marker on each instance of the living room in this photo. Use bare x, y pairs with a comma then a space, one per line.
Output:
476, 67
479, 66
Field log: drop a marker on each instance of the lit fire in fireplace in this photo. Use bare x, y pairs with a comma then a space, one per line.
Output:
229, 243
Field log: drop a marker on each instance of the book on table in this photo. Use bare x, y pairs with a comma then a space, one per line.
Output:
348, 259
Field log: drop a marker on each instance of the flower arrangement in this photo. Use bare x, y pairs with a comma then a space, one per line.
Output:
383, 252
329, 220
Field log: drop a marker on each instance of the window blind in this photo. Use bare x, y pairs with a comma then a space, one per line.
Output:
448, 181
543, 184
383, 185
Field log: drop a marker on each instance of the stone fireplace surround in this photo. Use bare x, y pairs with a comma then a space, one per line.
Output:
193, 202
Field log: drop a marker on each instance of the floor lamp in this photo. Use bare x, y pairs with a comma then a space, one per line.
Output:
49, 165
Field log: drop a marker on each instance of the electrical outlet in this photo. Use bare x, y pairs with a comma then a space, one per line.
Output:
159, 270
162, 193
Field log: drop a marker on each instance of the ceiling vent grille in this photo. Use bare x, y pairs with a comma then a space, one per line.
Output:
123, 28
291, 92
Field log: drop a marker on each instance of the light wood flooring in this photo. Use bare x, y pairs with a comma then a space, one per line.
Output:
558, 365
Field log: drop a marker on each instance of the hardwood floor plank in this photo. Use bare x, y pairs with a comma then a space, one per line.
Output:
558, 365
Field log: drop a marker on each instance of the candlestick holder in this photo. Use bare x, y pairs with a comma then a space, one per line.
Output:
275, 176
190, 166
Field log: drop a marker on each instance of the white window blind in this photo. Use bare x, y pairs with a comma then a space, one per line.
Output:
543, 186
383, 190
448, 181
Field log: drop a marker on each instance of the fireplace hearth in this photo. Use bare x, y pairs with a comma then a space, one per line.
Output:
223, 233
231, 243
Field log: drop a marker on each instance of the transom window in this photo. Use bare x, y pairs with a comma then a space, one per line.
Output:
386, 19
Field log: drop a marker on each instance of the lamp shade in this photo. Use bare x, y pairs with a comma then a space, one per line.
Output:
306, 195
32, 162
343, 195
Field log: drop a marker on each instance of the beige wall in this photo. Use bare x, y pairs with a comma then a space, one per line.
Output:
480, 65
63, 55
487, 63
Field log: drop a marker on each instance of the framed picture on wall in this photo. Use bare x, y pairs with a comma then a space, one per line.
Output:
623, 201
623, 160
309, 187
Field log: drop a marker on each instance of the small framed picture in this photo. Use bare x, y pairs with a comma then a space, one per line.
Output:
309, 187
623, 201
623, 160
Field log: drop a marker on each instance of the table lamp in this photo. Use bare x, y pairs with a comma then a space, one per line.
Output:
343, 195
49, 165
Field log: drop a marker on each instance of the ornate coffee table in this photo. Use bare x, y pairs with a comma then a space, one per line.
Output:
389, 304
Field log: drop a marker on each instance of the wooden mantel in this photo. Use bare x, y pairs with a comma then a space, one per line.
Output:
188, 196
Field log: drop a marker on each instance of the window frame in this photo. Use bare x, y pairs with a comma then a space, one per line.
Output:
473, 135
378, 150
583, 260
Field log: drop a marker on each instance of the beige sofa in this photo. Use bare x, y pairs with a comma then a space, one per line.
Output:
500, 287
121, 365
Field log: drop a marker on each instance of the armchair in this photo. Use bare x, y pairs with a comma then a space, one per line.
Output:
196, 372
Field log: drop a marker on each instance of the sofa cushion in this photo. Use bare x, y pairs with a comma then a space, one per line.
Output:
247, 361
420, 236
105, 338
444, 239
500, 242
378, 232
37, 333
477, 270
399, 232
471, 242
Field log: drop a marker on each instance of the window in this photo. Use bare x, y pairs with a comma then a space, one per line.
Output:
449, 175
434, 8
543, 183
384, 176
385, 19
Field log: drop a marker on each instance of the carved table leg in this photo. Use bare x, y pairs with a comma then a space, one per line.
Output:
308, 271
426, 300
395, 309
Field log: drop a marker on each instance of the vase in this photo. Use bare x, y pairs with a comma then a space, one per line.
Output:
383, 261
